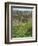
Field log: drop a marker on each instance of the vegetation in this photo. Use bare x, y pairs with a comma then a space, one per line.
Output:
21, 24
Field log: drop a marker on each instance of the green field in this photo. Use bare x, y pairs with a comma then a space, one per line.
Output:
22, 30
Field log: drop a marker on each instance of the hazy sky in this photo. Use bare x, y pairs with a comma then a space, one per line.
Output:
22, 9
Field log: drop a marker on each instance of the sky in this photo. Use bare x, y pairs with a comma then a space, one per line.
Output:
22, 9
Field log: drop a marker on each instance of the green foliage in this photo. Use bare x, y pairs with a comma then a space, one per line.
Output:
21, 22
22, 30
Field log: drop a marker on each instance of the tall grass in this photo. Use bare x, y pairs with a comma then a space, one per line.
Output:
22, 30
